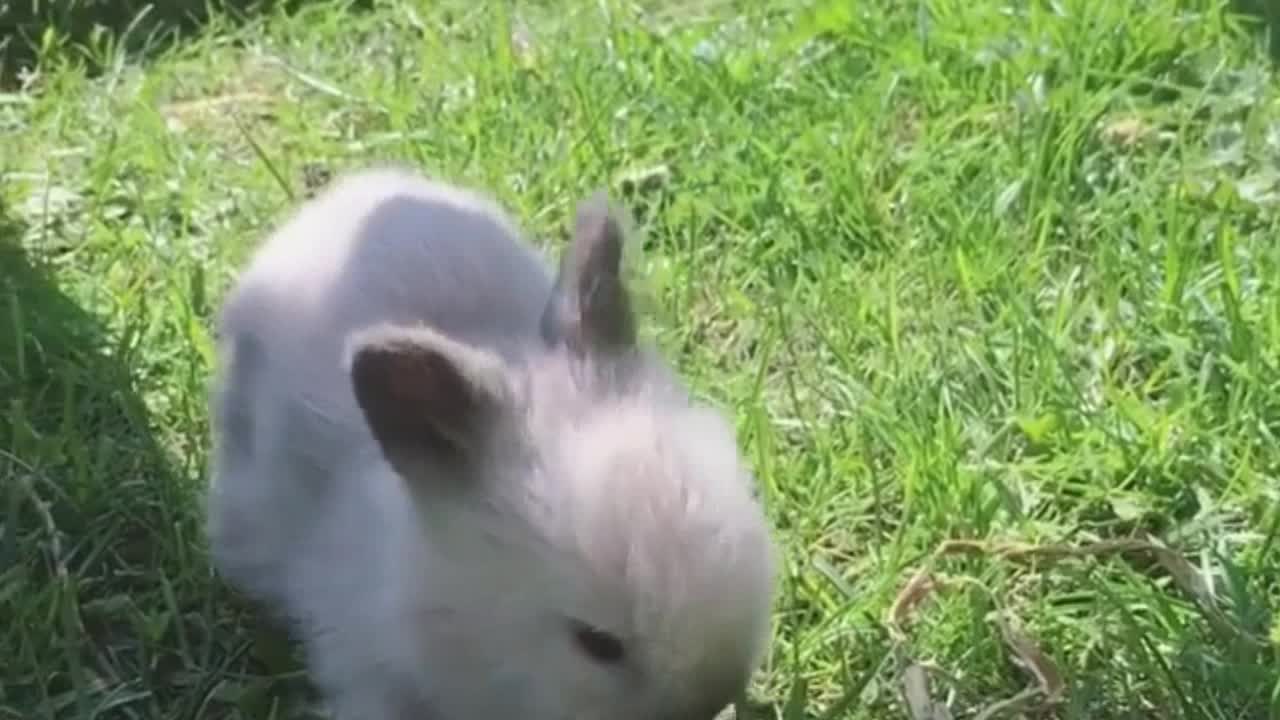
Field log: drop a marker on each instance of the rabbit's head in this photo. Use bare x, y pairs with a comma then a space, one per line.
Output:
597, 550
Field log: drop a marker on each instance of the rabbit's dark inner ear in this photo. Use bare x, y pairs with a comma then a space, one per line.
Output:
423, 395
590, 307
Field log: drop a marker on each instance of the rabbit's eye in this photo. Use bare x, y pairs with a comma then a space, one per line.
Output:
598, 644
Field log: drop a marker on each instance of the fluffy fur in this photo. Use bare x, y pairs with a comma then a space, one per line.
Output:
445, 462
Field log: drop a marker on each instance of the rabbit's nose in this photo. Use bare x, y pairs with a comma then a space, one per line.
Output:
717, 713
728, 713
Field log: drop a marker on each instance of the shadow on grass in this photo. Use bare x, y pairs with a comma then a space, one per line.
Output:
1265, 15
105, 594
76, 443
140, 28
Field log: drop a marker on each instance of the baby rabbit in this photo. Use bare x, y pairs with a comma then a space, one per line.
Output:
465, 483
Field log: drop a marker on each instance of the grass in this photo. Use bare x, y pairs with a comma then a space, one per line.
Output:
995, 272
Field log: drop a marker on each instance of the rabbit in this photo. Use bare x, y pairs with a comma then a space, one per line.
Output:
455, 471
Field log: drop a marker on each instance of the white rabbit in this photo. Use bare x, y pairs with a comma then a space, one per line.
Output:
473, 492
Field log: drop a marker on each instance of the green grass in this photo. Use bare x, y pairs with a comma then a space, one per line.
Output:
995, 271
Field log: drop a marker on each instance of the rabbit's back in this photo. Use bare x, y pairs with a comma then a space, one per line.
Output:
387, 246
378, 246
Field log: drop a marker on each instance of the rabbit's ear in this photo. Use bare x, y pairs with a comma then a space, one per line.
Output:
590, 308
425, 395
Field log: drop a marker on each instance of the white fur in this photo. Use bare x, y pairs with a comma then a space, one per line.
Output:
602, 495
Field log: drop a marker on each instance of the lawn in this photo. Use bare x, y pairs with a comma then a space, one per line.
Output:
991, 288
